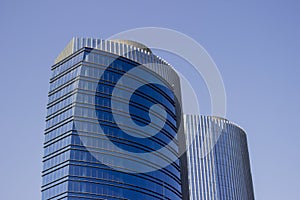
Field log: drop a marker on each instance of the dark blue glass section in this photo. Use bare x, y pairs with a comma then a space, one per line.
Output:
142, 95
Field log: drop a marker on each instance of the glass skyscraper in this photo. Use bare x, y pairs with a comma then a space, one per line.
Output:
217, 159
112, 123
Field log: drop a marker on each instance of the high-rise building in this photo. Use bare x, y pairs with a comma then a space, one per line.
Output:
112, 121
115, 130
217, 159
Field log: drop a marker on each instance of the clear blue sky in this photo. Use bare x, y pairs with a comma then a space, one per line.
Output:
254, 43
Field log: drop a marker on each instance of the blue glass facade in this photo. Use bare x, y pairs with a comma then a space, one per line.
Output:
88, 154
217, 159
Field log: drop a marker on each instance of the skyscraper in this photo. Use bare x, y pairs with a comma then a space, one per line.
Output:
217, 159
114, 130
112, 121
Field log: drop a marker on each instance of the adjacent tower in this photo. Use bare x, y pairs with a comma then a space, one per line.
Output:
217, 159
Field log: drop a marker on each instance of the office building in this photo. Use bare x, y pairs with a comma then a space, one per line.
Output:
105, 136
115, 130
217, 159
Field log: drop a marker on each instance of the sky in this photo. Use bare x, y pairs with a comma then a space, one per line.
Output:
255, 45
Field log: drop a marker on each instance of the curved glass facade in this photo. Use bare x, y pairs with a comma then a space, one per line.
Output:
221, 170
92, 147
